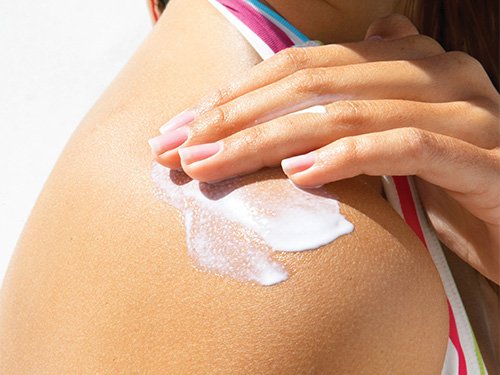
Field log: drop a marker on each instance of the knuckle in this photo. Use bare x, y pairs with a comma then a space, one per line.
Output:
217, 97
404, 66
465, 62
252, 140
459, 56
224, 94
219, 119
292, 59
420, 144
246, 139
493, 159
255, 137
285, 122
349, 148
488, 132
352, 113
306, 81
491, 104
218, 116
301, 80
469, 75
213, 122
426, 44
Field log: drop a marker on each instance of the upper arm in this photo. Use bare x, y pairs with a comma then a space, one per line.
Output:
101, 280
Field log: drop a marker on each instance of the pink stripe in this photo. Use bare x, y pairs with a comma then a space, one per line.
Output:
409, 209
455, 340
271, 34
411, 217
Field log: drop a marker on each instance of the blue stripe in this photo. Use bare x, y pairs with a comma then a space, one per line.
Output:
278, 18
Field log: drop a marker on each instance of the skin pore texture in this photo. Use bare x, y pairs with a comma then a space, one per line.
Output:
233, 226
101, 280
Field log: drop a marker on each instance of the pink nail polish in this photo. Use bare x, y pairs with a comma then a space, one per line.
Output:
199, 152
176, 122
298, 163
169, 140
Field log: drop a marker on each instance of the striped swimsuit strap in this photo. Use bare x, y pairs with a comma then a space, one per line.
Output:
268, 33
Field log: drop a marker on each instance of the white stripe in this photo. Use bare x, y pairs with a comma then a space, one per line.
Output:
258, 44
451, 361
392, 194
295, 39
463, 326
462, 321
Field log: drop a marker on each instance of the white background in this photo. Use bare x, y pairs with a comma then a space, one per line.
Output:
56, 57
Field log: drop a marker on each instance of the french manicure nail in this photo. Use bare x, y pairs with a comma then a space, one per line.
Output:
199, 152
310, 187
176, 122
298, 163
169, 140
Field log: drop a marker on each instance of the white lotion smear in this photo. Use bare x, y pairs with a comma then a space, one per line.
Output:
233, 227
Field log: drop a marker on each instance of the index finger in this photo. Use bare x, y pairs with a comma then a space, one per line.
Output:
291, 60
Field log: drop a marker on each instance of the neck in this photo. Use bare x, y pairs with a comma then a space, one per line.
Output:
334, 21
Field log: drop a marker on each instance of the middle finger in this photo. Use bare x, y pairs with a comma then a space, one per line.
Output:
267, 144
292, 60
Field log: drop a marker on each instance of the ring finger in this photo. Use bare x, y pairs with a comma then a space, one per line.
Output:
267, 144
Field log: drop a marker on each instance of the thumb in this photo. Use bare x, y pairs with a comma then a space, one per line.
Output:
395, 26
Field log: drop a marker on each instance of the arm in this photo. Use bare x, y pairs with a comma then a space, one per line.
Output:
101, 282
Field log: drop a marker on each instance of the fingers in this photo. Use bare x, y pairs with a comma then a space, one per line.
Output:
293, 60
447, 162
308, 87
269, 143
464, 230
424, 80
395, 26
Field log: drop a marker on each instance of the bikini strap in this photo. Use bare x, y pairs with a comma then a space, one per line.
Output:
269, 33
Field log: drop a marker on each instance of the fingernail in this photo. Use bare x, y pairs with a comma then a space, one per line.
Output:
375, 37
199, 152
176, 122
169, 140
298, 163
306, 187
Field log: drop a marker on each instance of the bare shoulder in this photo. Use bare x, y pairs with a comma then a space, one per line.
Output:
101, 281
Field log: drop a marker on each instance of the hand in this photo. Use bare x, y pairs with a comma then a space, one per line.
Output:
395, 104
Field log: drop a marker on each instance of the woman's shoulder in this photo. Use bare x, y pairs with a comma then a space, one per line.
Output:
102, 276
